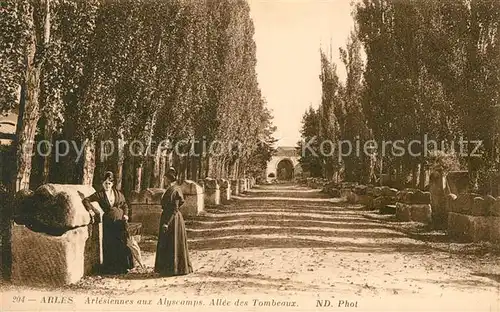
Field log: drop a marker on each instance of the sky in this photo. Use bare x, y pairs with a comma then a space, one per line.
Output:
289, 35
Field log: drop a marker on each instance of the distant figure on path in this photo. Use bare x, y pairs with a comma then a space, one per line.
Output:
172, 255
117, 257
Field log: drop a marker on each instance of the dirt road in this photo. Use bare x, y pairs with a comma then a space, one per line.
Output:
279, 242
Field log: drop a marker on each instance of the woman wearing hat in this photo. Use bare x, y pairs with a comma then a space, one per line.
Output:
172, 255
117, 257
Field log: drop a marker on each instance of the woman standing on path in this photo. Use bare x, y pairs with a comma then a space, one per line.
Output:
117, 258
172, 255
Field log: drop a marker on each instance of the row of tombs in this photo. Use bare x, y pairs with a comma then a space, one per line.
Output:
447, 205
55, 242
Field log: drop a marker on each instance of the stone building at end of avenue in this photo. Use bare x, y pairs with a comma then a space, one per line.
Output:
284, 165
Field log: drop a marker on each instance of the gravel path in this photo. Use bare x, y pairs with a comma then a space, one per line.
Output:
293, 243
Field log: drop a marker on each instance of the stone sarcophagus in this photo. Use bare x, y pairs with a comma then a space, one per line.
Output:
474, 218
414, 205
331, 188
243, 185
55, 241
384, 196
225, 191
194, 198
235, 187
212, 192
145, 208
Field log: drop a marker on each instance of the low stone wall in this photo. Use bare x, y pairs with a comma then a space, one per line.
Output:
212, 192
225, 191
145, 208
414, 205
474, 218
54, 240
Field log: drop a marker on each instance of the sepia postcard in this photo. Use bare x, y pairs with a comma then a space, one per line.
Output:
250, 155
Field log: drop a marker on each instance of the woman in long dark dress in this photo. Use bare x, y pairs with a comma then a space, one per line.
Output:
117, 258
172, 255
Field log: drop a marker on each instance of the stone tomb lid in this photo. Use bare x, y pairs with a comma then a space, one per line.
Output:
56, 208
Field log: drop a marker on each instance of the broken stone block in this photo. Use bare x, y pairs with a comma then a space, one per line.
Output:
212, 192
194, 199
225, 191
47, 260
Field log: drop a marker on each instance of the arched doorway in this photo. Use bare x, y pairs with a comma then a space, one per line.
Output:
284, 170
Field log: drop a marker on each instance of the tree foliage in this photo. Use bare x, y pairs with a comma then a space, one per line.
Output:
182, 71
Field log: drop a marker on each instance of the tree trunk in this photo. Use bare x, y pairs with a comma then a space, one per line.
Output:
206, 166
200, 166
422, 167
128, 177
187, 160
120, 161
29, 110
414, 174
163, 169
194, 168
176, 161
30, 116
158, 160
47, 159
88, 162
138, 173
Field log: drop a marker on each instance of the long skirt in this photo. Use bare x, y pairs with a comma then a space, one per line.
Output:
172, 255
117, 257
